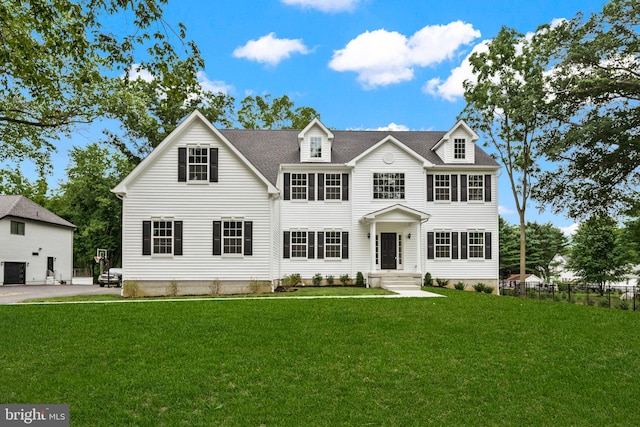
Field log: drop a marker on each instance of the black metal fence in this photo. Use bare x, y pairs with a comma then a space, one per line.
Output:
619, 297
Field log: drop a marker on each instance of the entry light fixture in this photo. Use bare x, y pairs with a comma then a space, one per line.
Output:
409, 236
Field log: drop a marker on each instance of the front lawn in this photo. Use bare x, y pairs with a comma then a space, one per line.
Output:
468, 359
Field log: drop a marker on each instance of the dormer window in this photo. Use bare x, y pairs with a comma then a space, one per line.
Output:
459, 148
315, 147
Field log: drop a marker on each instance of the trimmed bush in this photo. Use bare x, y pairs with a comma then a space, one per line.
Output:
442, 282
428, 281
345, 279
488, 289
317, 279
460, 286
360, 279
330, 279
479, 287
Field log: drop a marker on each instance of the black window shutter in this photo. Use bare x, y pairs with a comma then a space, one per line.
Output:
311, 245
213, 165
248, 237
217, 237
286, 245
429, 188
487, 245
146, 237
182, 164
463, 246
463, 188
287, 186
487, 188
454, 245
430, 245
454, 188
345, 186
320, 186
345, 245
311, 189
320, 244
177, 237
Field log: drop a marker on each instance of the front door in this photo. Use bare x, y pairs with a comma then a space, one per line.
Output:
388, 251
15, 273
50, 269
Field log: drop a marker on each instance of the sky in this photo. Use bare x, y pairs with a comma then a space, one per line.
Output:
362, 64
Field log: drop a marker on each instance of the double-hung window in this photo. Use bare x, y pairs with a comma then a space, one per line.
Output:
388, 186
476, 246
315, 147
459, 146
333, 186
198, 163
475, 187
443, 244
298, 244
162, 237
442, 187
232, 237
332, 244
298, 186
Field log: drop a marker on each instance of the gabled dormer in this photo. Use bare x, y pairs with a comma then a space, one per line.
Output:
457, 145
315, 143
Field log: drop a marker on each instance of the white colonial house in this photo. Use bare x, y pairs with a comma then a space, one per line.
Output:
36, 246
226, 208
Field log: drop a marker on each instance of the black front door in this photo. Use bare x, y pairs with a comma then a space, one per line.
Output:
15, 273
388, 251
50, 269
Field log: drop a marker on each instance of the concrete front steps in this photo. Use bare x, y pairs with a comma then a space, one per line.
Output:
396, 281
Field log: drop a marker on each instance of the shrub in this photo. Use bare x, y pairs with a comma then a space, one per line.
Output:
442, 282
478, 287
460, 286
317, 279
623, 305
344, 279
562, 287
603, 302
330, 279
291, 280
360, 279
488, 289
254, 285
428, 281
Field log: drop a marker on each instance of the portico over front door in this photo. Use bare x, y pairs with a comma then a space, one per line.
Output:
388, 251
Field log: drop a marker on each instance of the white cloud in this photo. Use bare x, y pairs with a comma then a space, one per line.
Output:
451, 89
384, 57
570, 230
270, 50
503, 210
214, 86
136, 72
394, 127
324, 5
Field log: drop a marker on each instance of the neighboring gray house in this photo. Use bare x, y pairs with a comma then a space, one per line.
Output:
212, 206
36, 246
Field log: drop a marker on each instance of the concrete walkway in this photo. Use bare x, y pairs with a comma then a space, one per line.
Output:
12, 294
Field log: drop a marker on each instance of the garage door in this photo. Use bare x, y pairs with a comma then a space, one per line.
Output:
14, 273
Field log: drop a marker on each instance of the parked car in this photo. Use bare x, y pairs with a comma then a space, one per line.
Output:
113, 276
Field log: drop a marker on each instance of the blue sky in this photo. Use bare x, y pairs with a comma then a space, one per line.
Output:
362, 64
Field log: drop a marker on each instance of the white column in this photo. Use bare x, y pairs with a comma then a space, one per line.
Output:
372, 245
419, 248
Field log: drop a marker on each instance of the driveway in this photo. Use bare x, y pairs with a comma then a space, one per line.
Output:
11, 294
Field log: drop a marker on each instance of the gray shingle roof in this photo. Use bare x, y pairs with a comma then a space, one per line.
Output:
21, 207
268, 149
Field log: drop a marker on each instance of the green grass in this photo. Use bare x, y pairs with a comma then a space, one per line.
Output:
298, 292
469, 359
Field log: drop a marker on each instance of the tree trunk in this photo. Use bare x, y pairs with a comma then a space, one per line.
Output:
523, 257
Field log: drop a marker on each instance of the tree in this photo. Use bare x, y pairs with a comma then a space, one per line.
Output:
14, 182
598, 254
594, 92
504, 106
85, 200
544, 242
59, 65
509, 248
262, 113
